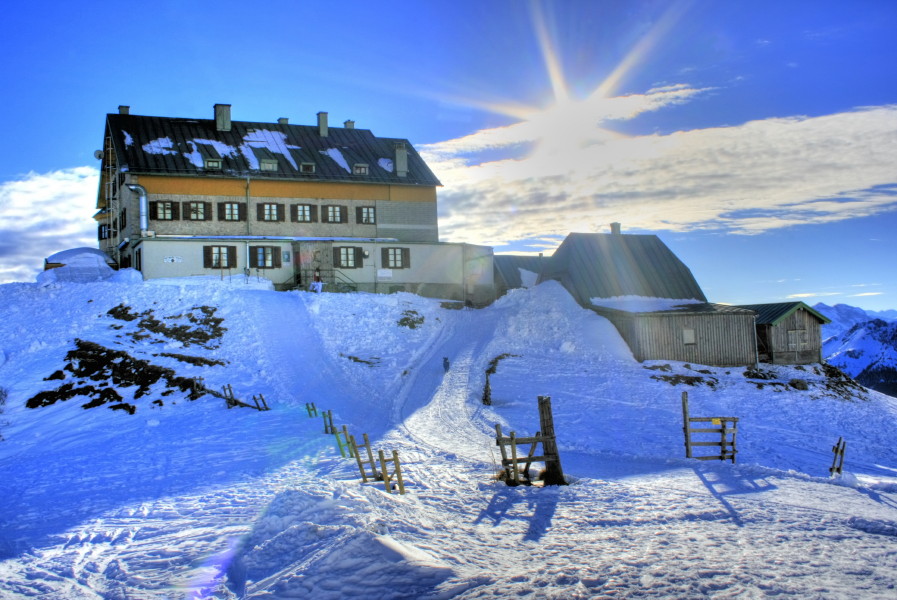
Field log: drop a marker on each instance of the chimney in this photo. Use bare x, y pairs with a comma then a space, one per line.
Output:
615, 228
222, 117
124, 110
401, 159
322, 124
349, 124
283, 121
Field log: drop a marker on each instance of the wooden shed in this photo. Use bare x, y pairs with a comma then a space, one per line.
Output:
702, 333
788, 333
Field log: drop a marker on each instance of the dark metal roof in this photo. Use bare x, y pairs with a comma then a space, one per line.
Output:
773, 314
174, 146
596, 265
682, 309
507, 267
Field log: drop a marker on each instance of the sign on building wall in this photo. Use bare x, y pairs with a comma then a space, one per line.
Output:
173, 259
384, 274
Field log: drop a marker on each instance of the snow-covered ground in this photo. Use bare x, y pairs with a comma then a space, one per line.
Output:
168, 497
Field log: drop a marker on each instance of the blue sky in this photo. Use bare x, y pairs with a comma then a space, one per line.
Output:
757, 139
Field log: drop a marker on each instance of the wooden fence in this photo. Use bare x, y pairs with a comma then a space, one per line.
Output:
724, 427
511, 458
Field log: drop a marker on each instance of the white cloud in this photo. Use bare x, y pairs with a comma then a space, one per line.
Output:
748, 178
43, 213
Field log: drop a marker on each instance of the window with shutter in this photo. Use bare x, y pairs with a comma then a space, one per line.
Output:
231, 211
365, 215
396, 258
219, 257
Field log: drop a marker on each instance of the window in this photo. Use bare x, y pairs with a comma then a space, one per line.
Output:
219, 257
335, 214
264, 257
197, 211
348, 257
122, 219
688, 336
269, 212
365, 215
268, 164
103, 232
164, 210
360, 169
304, 213
232, 211
307, 168
213, 164
395, 258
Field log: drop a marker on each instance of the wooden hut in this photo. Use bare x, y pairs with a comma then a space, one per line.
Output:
788, 333
702, 333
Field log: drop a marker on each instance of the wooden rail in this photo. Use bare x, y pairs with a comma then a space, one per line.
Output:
722, 429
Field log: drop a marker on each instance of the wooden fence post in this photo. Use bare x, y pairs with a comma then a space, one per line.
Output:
554, 475
686, 427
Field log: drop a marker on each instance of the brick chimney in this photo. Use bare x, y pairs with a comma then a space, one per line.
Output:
349, 124
615, 229
124, 110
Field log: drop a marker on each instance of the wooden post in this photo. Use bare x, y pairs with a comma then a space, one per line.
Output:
501, 447
395, 461
328, 421
348, 444
554, 475
686, 424
384, 471
530, 455
515, 477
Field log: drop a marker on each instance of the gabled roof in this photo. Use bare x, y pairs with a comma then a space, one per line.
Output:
597, 265
773, 314
683, 309
175, 146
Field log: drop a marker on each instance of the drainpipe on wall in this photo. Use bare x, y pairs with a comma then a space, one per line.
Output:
144, 207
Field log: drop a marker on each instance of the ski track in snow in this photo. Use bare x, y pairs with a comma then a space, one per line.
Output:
197, 501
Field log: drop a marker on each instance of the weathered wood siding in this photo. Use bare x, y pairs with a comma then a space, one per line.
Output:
797, 340
720, 339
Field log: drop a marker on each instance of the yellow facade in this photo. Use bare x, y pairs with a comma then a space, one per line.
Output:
268, 188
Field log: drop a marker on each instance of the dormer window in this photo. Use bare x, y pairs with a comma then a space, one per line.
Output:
360, 169
268, 164
213, 164
307, 168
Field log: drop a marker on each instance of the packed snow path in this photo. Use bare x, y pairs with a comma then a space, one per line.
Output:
193, 500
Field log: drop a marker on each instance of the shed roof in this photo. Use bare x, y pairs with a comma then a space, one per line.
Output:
683, 309
773, 314
166, 145
596, 265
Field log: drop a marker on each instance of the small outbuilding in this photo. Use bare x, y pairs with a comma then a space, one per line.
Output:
788, 333
702, 333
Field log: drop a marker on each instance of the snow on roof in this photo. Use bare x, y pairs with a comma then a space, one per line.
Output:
78, 255
642, 304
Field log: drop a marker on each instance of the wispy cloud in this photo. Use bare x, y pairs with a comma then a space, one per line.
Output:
574, 174
43, 213
812, 295
866, 294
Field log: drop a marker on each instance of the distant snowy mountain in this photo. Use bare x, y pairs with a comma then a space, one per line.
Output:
863, 344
